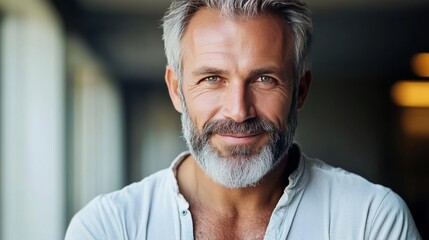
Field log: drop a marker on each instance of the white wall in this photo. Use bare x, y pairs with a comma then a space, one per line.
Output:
60, 140
31, 114
96, 164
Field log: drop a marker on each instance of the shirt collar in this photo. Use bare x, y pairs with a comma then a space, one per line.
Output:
296, 178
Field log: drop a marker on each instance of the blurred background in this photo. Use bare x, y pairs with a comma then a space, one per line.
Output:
84, 109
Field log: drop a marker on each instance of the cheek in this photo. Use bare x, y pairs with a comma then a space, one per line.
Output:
275, 108
202, 107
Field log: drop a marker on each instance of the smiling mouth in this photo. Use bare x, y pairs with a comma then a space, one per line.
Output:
239, 135
239, 138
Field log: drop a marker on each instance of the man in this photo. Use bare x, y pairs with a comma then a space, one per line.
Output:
238, 71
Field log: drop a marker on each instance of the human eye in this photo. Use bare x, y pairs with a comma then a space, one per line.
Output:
212, 80
266, 81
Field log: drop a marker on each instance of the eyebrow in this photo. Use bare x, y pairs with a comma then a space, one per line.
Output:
206, 70
268, 70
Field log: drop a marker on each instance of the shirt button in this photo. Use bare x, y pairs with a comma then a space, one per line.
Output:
184, 212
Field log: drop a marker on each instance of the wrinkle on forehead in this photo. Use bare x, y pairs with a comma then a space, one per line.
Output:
214, 37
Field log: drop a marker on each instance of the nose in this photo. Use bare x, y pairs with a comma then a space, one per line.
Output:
238, 103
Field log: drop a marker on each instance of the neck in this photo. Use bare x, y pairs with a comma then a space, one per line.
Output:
201, 190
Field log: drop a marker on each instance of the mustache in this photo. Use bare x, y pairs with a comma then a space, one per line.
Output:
228, 126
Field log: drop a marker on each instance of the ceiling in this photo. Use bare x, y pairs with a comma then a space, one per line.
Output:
126, 34
159, 6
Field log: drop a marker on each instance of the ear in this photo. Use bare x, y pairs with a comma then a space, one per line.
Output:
173, 88
303, 88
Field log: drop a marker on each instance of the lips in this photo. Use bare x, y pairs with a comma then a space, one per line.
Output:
239, 138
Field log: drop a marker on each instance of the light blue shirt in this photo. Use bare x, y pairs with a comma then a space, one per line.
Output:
320, 202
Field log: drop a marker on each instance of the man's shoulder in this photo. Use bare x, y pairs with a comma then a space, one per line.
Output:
351, 206
125, 210
321, 173
133, 195
346, 189
147, 186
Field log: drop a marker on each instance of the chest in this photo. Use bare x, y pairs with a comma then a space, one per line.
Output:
212, 226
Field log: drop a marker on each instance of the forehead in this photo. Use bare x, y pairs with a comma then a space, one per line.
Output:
210, 32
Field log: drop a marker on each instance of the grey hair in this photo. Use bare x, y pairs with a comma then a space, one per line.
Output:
294, 13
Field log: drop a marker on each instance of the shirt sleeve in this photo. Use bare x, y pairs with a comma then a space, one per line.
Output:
95, 221
393, 220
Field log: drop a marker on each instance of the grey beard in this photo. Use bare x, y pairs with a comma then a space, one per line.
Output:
240, 166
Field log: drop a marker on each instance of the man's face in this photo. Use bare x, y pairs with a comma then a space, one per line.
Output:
238, 91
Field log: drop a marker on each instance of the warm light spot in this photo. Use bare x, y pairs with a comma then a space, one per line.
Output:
420, 64
411, 94
415, 121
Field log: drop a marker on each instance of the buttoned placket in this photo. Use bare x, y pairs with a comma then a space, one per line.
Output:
185, 219
284, 212
183, 222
